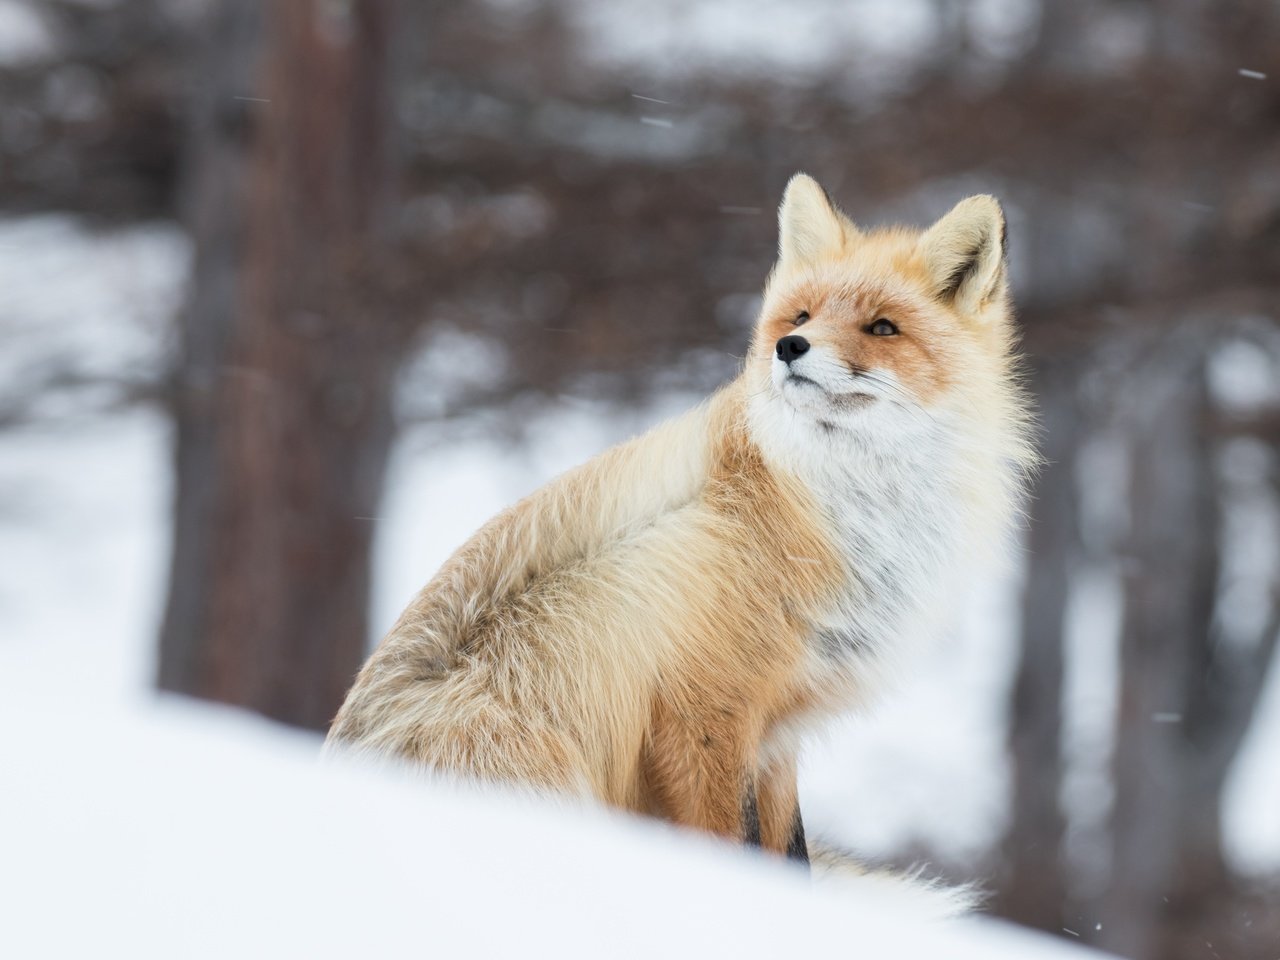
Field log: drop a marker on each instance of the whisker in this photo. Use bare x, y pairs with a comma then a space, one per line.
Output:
903, 397
891, 387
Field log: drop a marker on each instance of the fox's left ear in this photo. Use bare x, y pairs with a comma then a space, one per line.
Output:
964, 253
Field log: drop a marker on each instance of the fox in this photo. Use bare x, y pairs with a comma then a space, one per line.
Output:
658, 629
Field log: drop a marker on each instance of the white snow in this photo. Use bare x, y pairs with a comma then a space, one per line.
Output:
84, 537
1244, 376
1251, 804
25, 34
84, 489
1091, 696
1004, 29
674, 39
176, 830
92, 311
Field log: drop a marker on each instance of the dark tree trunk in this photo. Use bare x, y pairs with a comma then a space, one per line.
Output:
1033, 889
1162, 811
283, 412
1188, 695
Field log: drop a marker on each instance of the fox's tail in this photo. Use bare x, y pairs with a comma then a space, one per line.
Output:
911, 890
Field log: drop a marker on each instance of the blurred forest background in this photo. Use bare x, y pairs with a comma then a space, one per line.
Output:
449, 216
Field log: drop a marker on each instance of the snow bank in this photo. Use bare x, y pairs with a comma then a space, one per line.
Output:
177, 830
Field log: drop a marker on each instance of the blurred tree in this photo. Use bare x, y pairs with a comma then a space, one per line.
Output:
1188, 693
94, 126
283, 391
1170, 583
1034, 881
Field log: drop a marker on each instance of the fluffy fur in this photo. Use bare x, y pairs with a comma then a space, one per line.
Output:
654, 628
908, 892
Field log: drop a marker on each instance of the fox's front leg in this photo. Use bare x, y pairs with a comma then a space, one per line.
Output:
798, 846
778, 802
750, 813
699, 774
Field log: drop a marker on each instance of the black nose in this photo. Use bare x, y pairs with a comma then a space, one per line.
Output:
789, 348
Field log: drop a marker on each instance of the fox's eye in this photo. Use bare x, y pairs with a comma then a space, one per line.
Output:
801, 317
882, 328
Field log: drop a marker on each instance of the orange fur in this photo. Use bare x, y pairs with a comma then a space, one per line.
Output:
649, 629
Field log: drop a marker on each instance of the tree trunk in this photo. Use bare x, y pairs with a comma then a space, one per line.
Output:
1169, 591
1034, 887
283, 394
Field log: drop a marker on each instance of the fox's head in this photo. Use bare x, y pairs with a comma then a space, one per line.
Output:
889, 332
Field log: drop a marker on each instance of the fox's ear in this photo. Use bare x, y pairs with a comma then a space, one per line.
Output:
809, 225
964, 253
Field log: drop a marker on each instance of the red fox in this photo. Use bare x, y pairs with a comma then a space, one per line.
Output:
655, 628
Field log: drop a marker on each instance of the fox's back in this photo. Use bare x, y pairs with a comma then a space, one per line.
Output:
665, 602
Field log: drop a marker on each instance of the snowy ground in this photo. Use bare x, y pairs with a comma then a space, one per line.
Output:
84, 499
183, 830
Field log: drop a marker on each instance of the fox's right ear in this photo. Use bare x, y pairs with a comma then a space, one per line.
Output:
809, 225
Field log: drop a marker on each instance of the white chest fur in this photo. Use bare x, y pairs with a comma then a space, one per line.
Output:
891, 501
897, 521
